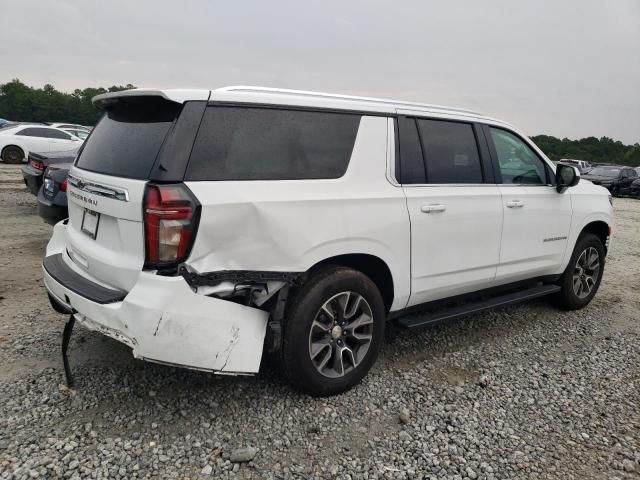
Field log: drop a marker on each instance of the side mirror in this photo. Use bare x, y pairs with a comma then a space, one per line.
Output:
566, 176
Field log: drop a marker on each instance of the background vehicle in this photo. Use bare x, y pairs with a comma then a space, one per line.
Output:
71, 126
17, 142
82, 134
617, 179
634, 190
582, 165
34, 170
52, 196
228, 220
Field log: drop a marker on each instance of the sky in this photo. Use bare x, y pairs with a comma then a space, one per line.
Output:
560, 67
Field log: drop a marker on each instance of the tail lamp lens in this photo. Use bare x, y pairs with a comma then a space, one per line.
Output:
63, 185
37, 165
169, 222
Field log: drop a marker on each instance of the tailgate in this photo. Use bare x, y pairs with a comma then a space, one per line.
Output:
105, 234
106, 188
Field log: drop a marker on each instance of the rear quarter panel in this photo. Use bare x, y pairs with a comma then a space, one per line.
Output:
292, 225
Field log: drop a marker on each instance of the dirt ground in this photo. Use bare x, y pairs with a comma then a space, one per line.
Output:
447, 358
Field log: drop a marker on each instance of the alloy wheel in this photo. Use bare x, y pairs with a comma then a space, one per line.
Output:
586, 272
341, 334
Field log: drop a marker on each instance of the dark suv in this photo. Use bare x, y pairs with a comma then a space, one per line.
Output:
617, 179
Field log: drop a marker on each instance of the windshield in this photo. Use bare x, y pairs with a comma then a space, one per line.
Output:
605, 172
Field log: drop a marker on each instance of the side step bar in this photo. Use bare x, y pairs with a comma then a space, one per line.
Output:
473, 307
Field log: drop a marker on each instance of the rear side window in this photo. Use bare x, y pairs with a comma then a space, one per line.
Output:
126, 141
239, 143
450, 152
35, 132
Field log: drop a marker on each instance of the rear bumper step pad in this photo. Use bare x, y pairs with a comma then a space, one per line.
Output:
63, 274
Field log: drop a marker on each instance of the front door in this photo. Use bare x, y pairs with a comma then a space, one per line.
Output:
537, 218
455, 212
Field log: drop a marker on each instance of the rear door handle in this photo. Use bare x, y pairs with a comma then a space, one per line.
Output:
515, 204
434, 207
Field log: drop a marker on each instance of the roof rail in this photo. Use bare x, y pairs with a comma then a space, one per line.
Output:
335, 96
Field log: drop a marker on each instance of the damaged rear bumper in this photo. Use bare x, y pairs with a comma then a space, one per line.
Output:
163, 320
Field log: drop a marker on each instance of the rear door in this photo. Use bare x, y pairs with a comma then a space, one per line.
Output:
105, 233
454, 207
537, 218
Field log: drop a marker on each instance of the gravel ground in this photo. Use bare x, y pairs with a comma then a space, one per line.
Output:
523, 392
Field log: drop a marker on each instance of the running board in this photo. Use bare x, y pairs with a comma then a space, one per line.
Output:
478, 306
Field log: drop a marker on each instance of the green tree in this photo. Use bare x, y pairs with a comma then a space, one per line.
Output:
22, 103
591, 149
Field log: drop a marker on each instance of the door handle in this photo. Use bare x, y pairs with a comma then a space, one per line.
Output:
434, 207
515, 203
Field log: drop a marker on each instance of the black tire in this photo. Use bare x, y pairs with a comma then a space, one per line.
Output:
568, 298
12, 154
296, 362
615, 191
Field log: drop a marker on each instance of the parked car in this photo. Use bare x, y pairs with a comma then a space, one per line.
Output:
52, 196
80, 133
206, 225
72, 126
17, 142
634, 190
617, 179
33, 171
582, 165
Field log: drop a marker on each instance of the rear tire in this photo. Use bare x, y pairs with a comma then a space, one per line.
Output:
581, 279
333, 331
12, 154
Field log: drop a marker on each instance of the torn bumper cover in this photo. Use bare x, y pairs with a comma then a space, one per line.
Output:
164, 321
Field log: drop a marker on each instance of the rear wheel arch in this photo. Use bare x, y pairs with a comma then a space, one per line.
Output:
372, 266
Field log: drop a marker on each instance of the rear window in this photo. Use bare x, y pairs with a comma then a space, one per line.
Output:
241, 143
126, 141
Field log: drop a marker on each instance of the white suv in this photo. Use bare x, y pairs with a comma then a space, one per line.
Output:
206, 225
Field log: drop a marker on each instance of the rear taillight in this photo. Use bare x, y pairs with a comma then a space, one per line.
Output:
37, 165
63, 185
170, 218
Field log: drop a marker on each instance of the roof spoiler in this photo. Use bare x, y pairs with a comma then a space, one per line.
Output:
103, 100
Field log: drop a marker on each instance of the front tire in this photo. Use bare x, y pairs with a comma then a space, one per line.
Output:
12, 154
333, 331
581, 279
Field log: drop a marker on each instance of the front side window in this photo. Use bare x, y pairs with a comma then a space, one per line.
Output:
450, 152
242, 143
517, 161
